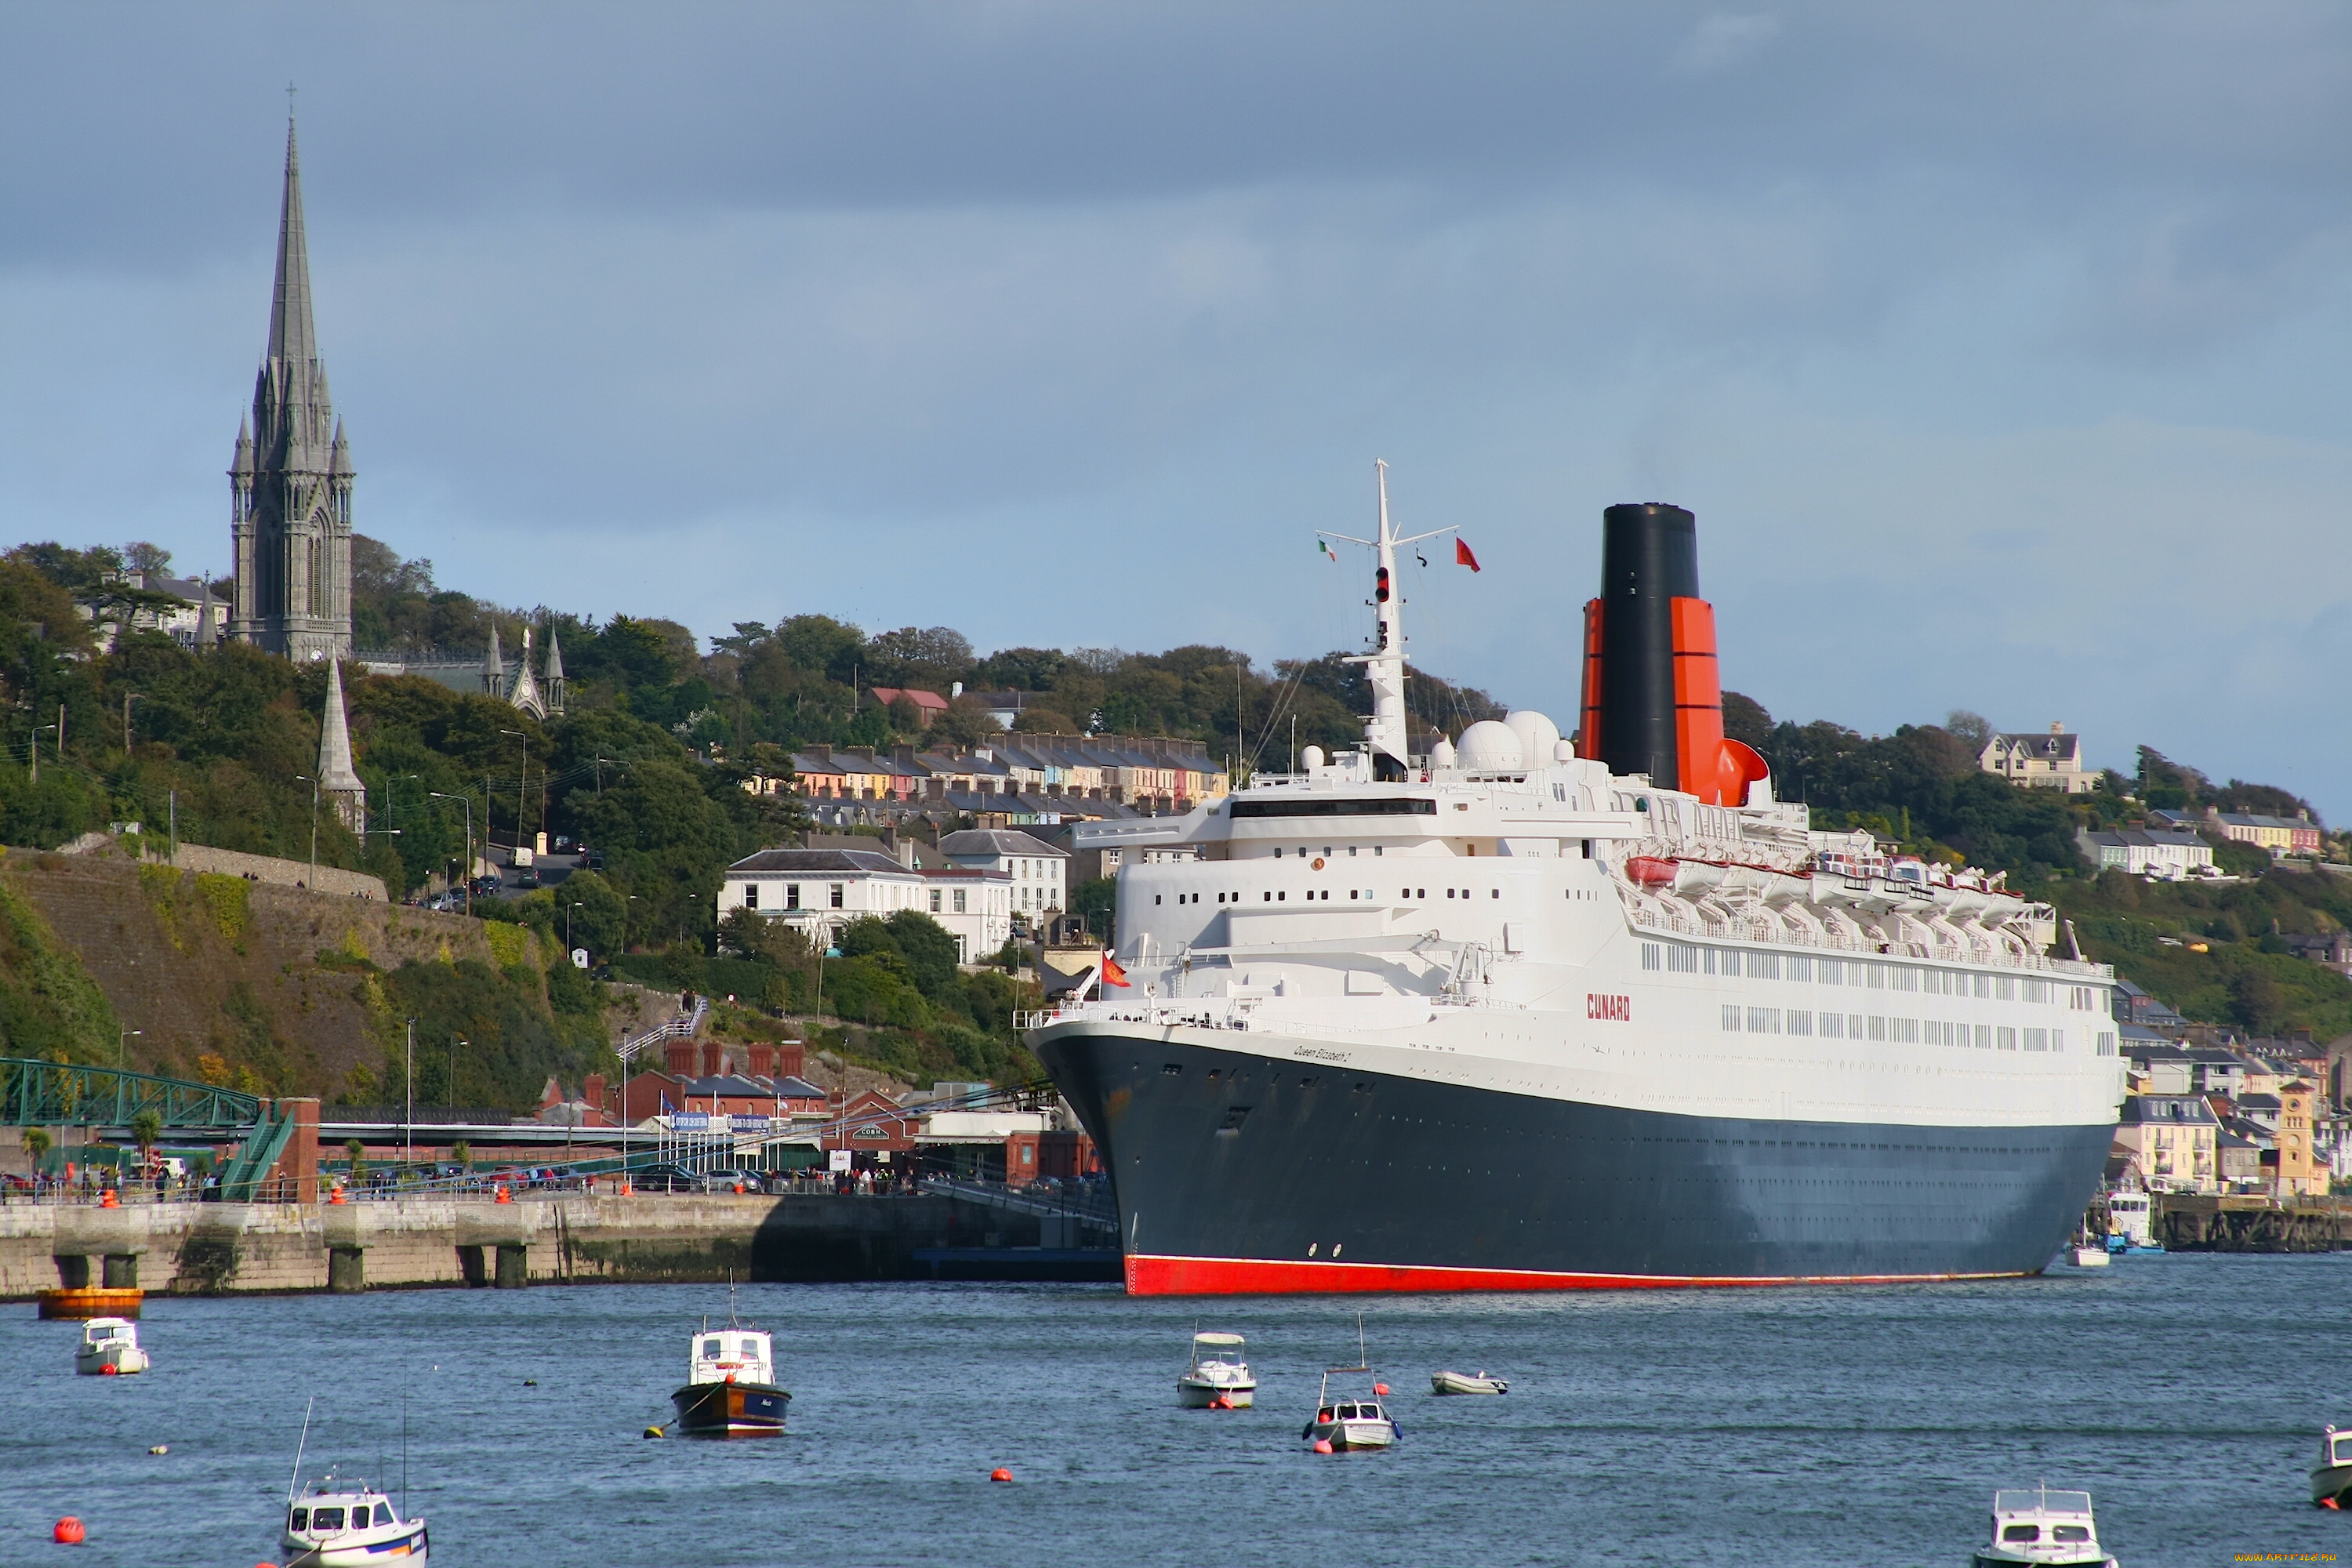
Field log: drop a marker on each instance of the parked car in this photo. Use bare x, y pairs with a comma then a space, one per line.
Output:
593, 858
527, 878
671, 1179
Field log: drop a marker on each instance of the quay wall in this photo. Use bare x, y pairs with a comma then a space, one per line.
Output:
2189, 1223
423, 1242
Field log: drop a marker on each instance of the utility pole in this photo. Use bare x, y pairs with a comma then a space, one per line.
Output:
128, 699
468, 802
305, 778
36, 750
523, 745
408, 1079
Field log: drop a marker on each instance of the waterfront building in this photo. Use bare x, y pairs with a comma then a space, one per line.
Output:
2173, 1139
1035, 868
818, 891
290, 478
2299, 1172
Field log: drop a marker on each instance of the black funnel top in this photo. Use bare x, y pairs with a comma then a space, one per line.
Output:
1649, 557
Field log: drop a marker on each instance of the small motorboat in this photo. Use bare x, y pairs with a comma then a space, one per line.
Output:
1218, 1379
340, 1524
2091, 1254
2053, 1529
1467, 1383
731, 1387
2331, 1483
1343, 1423
110, 1348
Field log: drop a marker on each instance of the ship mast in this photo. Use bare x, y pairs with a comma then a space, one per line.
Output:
1384, 727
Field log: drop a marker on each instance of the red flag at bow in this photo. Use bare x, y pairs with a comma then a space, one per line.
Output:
1111, 972
1462, 556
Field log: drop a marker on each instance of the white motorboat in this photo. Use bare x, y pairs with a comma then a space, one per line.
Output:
338, 1524
2090, 1254
1467, 1383
1359, 1422
2331, 1483
2051, 1530
110, 1348
1218, 1379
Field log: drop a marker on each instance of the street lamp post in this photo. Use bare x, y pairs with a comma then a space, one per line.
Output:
36, 750
128, 699
122, 1046
408, 1081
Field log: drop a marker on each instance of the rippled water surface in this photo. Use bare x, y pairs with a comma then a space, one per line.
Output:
1855, 1425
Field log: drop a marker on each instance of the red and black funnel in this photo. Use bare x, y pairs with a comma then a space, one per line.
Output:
1652, 699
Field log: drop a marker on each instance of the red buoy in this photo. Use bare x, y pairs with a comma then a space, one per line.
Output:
1000, 1474
1381, 1389
109, 1372
1323, 1445
69, 1532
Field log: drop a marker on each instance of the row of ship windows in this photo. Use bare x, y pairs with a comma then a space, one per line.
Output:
1738, 1020
1680, 960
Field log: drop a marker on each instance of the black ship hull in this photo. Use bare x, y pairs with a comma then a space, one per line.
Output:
1237, 1172
729, 1410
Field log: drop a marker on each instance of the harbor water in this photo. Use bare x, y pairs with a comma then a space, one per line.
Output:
1855, 1426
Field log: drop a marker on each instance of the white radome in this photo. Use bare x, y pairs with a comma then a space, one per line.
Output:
1537, 735
1491, 747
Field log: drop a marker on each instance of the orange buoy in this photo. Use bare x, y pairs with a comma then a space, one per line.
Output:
69, 1532
2331, 1503
1323, 1445
1381, 1389
109, 1372
1000, 1474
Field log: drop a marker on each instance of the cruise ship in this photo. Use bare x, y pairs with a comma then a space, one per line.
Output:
1524, 1014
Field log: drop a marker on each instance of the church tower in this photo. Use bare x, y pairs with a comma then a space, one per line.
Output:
290, 481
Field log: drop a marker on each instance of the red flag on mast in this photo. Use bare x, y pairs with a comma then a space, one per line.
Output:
1112, 974
1462, 556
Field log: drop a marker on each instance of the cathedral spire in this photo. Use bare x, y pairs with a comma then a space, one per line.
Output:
338, 780
291, 335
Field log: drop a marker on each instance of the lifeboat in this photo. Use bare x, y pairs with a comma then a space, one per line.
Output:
1650, 871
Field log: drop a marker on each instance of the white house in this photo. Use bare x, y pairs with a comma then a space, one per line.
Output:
2051, 761
2170, 857
1038, 871
820, 891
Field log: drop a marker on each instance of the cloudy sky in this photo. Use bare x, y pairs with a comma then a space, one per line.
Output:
2002, 349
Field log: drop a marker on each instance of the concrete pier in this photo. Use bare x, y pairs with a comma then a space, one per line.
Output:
415, 1242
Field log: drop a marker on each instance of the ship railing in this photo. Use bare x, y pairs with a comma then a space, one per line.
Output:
1989, 955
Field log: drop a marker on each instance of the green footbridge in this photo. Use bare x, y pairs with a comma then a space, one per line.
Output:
36, 1093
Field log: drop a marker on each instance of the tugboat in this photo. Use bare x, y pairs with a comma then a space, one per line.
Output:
1218, 1379
1341, 1424
110, 1348
2331, 1483
731, 1389
337, 1524
2047, 1529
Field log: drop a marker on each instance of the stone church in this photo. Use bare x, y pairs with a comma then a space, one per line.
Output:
290, 483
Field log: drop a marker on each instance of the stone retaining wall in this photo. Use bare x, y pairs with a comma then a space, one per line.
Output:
236, 1248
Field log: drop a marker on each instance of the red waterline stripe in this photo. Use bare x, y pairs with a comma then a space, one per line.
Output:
1154, 1275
